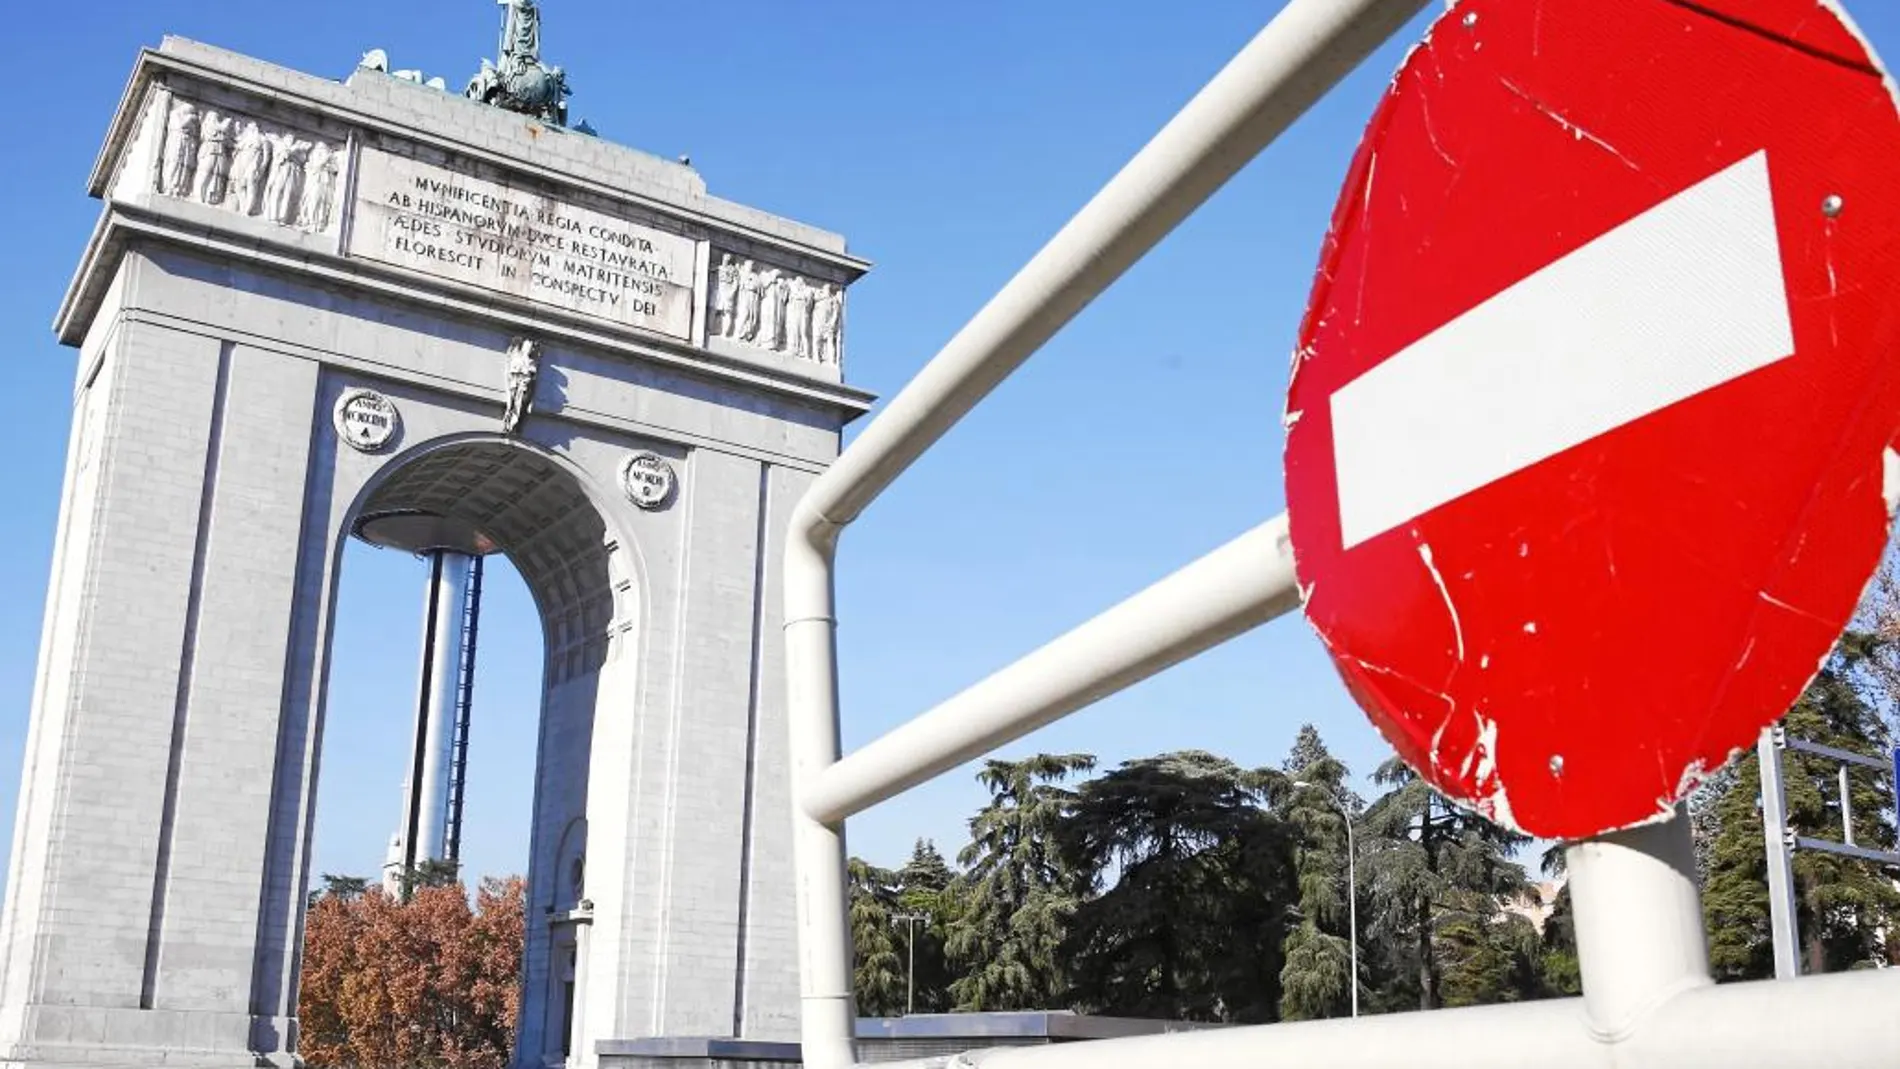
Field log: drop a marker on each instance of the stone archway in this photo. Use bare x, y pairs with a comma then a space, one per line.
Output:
161, 855
493, 494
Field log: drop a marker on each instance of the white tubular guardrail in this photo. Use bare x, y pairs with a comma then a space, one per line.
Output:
1229, 592
1642, 953
1291, 64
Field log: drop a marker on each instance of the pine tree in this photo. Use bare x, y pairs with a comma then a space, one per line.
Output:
427, 873
1182, 879
1014, 897
1705, 821
1560, 973
926, 871
877, 978
1488, 959
923, 890
1316, 978
1430, 868
347, 888
1735, 891
1309, 750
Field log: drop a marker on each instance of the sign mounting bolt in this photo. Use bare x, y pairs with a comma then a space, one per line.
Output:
1557, 765
1832, 204
1471, 19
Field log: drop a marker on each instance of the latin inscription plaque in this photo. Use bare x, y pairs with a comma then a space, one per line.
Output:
522, 242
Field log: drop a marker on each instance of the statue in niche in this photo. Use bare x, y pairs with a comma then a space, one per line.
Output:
798, 304
179, 161
827, 316
319, 191
772, 309
725, 296
283, 195
524, 366
520, 82
214, 157
746, 306
249, 169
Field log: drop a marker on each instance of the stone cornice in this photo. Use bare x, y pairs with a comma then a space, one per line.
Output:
123, 227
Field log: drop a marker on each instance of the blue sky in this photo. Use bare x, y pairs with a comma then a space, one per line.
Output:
947, 141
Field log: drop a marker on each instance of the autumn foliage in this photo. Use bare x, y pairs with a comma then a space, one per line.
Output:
431, 983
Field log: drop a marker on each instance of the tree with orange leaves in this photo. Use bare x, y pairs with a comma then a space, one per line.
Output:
431, 982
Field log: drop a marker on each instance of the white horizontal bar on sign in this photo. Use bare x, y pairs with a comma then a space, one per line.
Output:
1680, 299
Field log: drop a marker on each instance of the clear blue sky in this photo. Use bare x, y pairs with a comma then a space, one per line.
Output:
947, 141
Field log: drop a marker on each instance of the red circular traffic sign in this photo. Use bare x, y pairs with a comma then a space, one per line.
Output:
1589, 430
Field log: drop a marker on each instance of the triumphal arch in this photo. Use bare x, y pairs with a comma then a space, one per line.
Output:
315, 310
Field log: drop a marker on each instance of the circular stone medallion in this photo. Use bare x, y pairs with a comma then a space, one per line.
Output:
367, 420
648, 480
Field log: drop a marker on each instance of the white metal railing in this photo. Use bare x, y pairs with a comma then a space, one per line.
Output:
1648, 999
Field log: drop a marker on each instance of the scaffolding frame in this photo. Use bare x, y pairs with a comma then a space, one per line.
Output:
1648, 998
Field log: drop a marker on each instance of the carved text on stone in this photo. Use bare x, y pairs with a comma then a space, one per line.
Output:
521, 242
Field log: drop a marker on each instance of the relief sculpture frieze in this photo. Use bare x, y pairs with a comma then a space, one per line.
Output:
229, 160
770, 308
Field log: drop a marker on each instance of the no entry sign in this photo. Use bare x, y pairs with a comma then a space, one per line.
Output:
1590, 429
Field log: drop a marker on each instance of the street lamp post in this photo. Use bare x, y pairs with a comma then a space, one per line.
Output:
1352, 887
910, 921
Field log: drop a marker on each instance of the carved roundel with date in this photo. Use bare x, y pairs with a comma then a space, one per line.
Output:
367, 420
648, 480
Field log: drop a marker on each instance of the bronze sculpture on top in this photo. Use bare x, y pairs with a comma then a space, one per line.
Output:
520, 81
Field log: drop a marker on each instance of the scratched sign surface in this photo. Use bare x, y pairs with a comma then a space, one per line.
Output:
1589, 449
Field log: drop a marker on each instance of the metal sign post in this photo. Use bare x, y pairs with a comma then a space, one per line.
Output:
1782, 840
1779, 839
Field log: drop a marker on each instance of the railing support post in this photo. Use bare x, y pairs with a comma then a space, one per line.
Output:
1640, 935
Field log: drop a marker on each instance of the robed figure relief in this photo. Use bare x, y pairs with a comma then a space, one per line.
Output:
283, 196
250, 168
725, 296
319, 188
772, 309
214, 157
178, 163
798, 303
746, 304
827, 318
